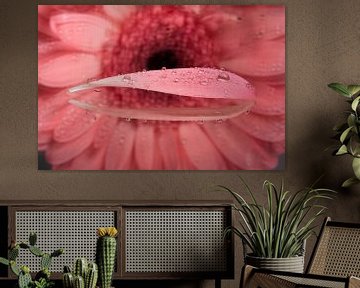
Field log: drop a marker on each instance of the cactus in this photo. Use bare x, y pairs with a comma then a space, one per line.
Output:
79, 282
105, 254
24, 278
45, 261
80, 268
32, 239
91, 276
87, 272
42, 278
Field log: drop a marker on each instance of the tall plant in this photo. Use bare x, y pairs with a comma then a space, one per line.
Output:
349, 131
279, 229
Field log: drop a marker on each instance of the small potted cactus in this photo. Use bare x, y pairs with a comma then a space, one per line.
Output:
106, 254
85, 275
42, 278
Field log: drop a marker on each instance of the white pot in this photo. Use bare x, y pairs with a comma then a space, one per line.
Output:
291, 264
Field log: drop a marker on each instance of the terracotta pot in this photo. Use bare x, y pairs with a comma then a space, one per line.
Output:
291, 264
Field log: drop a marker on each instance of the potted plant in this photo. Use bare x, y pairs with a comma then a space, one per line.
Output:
42, 278
349, 132
276, 233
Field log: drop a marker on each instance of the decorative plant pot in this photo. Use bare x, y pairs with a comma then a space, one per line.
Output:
291, 264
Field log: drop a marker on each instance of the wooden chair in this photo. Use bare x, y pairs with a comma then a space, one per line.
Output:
334, 263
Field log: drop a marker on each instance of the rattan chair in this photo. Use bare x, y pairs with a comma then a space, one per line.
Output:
334, 263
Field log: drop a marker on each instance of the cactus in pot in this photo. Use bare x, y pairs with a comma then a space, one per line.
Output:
85, 275
106, 254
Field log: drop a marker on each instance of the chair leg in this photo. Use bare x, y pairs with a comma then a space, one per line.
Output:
246, 276
354, 282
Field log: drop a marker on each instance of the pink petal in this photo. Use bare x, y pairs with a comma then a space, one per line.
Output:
266, 58
239, 148
278, 147
105, 128
50, 110
43, 147
44, 10
48, 45
145, 146
200, 150
68, 69
168, 147
119, 151
119, 12
270, 100
44, 137
192, 82
266, 128
90, 159
43, 26
84, 32
60, 153
73, 124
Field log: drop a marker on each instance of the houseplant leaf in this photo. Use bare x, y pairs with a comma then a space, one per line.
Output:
340, 88
342, 150
356, 167
349, 182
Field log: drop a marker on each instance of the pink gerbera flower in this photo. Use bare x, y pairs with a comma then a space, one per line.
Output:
188, 120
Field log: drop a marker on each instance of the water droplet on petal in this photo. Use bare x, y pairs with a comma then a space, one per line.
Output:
176, 80
128, 119
97, 90
163, 68
223, 76
204, 82
127, 78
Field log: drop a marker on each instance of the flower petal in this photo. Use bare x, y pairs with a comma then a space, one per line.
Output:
73, 124
270, 100
266, 128
44, 137
84, 32
145, 146
198, 147
278, 147
68, 69
60, 153
266, 58
50, 109
119, 151
168, 147
239, 148
105, 128
119, 12
90, 159
45, 47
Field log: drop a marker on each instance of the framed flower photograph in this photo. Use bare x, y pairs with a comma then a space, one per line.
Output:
154, 87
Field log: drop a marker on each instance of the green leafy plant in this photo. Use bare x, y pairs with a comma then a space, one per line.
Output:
280, 229
349, 132
42, 278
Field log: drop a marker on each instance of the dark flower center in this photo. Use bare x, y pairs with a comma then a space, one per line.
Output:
161, 59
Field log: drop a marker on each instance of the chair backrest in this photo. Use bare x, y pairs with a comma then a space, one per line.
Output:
337, 251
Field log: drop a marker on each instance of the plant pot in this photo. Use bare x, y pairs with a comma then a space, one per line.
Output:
291, 264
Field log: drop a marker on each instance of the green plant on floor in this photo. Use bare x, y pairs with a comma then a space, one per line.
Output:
348, 132
280, 228
42, 278
84, 275
106, 254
